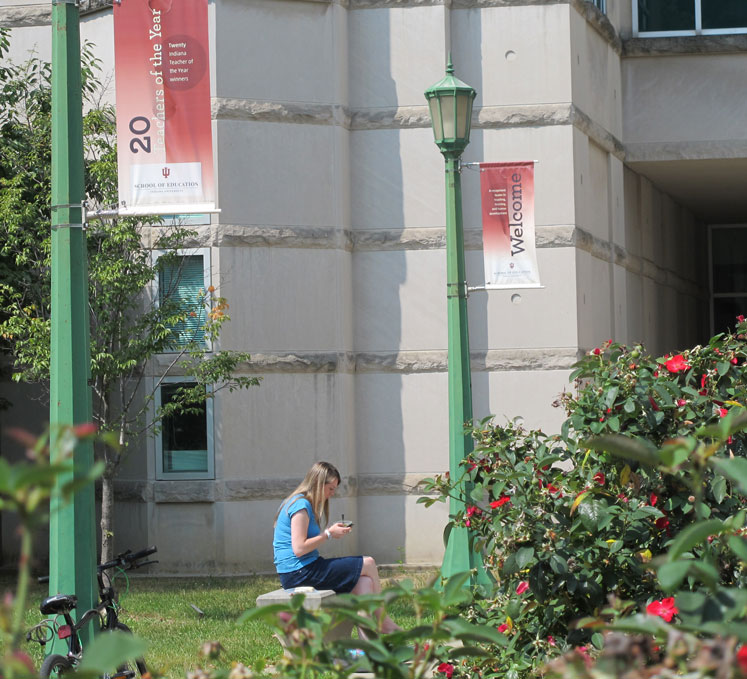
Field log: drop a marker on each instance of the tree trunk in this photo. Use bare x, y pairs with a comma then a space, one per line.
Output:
107, 516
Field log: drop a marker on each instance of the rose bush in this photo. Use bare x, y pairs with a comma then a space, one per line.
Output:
572, 531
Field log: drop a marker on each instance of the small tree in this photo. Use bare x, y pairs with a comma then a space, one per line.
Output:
128, 325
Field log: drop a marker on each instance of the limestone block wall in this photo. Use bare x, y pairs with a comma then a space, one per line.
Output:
330, 248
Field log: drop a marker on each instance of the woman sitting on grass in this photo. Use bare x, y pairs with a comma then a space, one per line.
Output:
298, 535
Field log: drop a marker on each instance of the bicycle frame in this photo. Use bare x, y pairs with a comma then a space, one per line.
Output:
106, 611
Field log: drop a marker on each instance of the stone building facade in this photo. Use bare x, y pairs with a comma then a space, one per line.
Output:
330, 243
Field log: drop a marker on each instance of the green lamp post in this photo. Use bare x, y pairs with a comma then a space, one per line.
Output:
450, 102
72, 544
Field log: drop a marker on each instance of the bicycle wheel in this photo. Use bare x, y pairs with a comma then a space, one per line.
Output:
138, 669
55, 666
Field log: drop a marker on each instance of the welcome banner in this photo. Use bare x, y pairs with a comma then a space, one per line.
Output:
507, 191
164, 134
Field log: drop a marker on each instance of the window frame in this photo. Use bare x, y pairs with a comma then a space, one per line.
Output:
161, 474
713, 295
698, 30
206, 279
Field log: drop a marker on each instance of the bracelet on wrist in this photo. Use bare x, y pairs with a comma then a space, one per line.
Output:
327, 533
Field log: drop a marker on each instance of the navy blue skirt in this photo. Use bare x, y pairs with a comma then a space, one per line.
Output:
340, 574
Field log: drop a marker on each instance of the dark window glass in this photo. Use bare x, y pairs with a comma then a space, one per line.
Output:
729, 247
724, 13
726, 310
184, 436
666, 15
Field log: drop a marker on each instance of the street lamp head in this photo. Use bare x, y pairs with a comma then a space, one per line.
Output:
450, 102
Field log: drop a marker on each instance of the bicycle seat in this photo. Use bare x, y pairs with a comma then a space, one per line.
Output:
58, 604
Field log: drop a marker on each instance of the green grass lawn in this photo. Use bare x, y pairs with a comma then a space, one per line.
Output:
159, 611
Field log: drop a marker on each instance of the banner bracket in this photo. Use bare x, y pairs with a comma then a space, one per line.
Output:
461, 287
472, 166
65, 206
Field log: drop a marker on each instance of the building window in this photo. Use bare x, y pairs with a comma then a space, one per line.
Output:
184, 446
601, 5
659, 18
728, 276
183, 279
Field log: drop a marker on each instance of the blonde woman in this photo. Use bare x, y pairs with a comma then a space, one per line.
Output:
299, 533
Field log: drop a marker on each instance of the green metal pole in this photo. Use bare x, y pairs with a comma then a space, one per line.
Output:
72, 539
459, 556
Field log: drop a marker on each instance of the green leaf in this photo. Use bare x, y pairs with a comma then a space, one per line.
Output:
691, 536
675, 453
465, 631
598, 640
722, 367
718, 488
477, 493
626, 448
591, 514
558, 564
610, 396
738, 545
672, 574
734, 469
616, 546
523, 557
110, 650
708, 573
456, 589
262, 613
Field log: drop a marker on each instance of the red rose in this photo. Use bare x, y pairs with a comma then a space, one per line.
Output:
502, 500
742, 659
664, 609
446, 668
723, 412
502, 627
677, 364
599, 478
662, 523
522, 587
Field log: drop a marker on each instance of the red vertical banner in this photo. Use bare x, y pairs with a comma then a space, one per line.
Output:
507, 192
164, 131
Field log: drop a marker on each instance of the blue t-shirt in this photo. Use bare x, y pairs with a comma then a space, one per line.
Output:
285, 560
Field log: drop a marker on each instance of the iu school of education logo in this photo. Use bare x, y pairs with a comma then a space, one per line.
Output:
165, 172
511, 265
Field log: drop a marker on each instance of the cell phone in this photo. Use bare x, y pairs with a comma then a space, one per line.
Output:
347, 524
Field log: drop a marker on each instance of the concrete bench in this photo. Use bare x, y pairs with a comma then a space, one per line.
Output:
314, 599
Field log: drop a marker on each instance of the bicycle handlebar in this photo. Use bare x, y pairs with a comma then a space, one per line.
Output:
128, 559
125, 559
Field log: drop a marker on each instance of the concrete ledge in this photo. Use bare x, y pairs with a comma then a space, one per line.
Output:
313, 598
690, 44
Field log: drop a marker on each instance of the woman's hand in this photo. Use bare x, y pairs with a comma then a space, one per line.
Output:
338, 530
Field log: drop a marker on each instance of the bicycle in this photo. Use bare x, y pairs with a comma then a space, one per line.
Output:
57, 665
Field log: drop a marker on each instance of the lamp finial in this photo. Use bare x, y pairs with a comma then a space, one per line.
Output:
449, 66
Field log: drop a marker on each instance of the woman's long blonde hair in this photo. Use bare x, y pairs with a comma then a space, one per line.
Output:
312, 488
